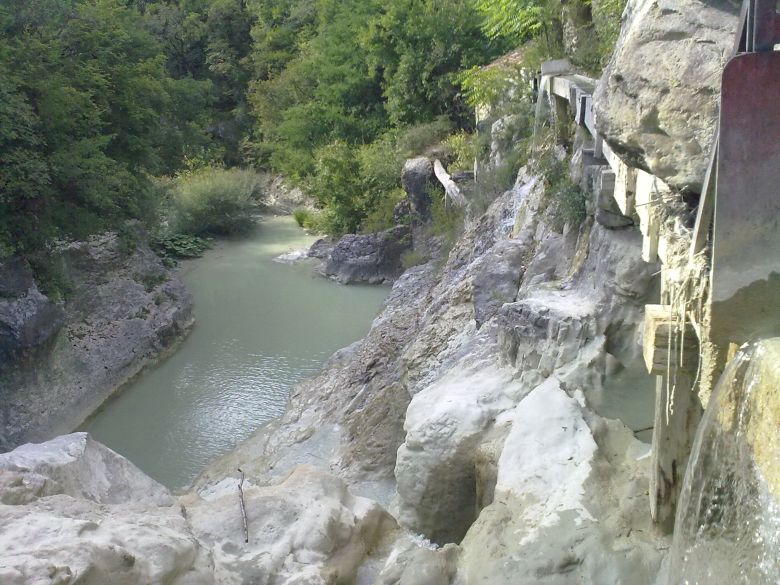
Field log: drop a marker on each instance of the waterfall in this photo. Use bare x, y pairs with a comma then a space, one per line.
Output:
727, 529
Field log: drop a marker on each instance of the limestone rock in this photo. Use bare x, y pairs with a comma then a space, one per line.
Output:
60, 539
372, 258
435, 469
415, 562
498, 278
73, 511
307, 529
27, 317
560, 474
124, 311
416, 178
657, 101
322, 248
79, 467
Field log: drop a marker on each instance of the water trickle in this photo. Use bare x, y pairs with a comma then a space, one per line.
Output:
727, 529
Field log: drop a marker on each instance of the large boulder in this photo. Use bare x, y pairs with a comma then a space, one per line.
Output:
657, 101
307, 529
416, 178
78, 466
372, 258
73, 511
27, 317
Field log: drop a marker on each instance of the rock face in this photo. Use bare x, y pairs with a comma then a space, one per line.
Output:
124, 311
27, 317
306, 529
371, 258
77, 466
657, 101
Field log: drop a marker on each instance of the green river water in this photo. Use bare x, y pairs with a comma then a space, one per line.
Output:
262, 326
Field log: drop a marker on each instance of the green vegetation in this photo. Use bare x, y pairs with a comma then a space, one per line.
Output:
180, 246
100, 99
566, 198
213, 201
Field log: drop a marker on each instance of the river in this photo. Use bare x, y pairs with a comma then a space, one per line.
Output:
261, 327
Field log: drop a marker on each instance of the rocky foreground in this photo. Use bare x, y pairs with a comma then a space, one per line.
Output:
455, 443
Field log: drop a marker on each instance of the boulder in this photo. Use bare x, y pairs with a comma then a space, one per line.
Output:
73, 511
416, 178
371, 258
657, 101
498, 277
79, 467
322, 248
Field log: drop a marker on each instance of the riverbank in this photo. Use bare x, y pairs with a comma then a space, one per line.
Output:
261, 327
123, 311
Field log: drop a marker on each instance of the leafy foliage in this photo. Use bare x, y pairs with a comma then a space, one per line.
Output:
181, 246
214, 201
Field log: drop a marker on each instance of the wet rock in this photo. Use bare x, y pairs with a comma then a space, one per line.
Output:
657, 101
416, 178
372, 258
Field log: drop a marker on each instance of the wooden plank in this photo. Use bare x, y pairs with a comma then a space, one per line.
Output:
706, 207
677, 414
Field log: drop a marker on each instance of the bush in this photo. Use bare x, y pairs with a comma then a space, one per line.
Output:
567, 200
214, 201
463, 151
300, 216
180, 246
415, 140
382, 216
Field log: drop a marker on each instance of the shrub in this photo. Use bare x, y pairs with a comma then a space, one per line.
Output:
300, 216
415, 140
214, 201
180, 246
382, 216
463, 150
567, 200
412, 258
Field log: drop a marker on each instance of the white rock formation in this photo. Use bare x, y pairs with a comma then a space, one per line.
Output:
74, 511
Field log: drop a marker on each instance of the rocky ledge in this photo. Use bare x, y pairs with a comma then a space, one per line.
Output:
124, 309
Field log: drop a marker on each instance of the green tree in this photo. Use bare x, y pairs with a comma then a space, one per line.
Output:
90, 113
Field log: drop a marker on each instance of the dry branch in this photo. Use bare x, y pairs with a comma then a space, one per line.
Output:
451, 190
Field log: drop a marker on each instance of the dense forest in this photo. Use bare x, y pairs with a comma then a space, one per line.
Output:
113, 110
